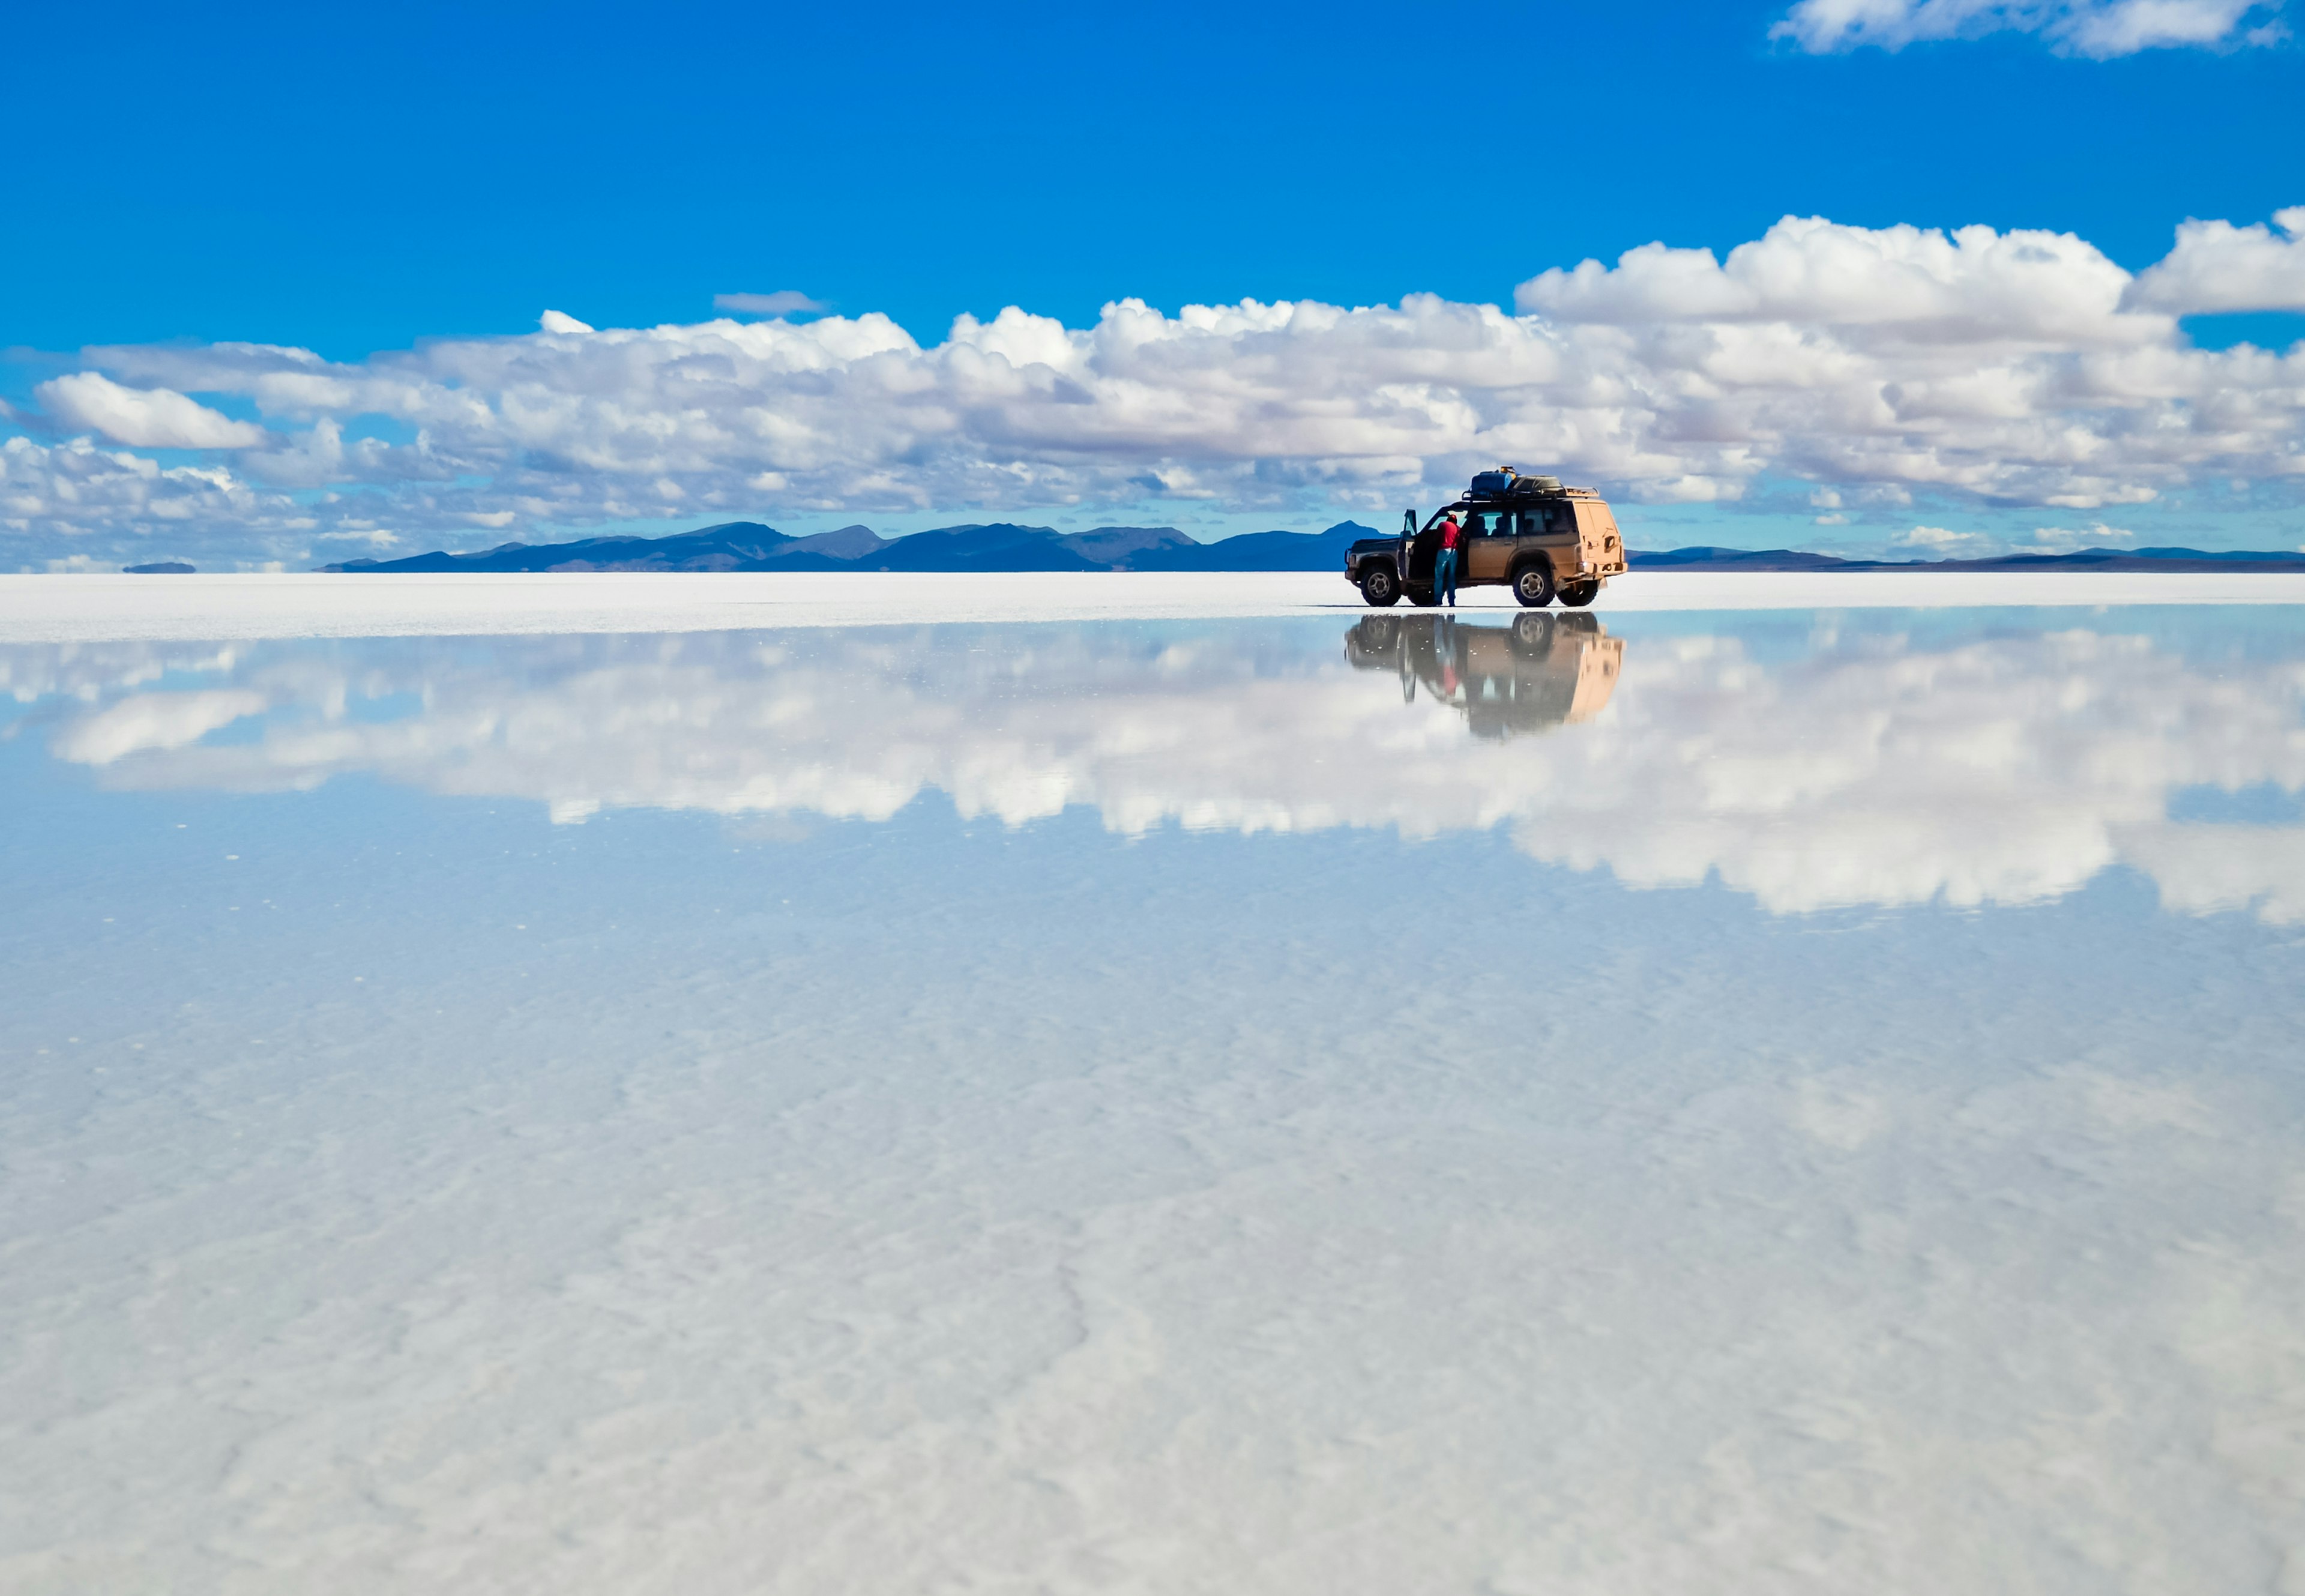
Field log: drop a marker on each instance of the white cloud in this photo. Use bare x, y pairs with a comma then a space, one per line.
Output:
784, 301
554, 321
2098, 28
76, 488
2060, 540
1872, 364
1885, 287
2219, 267
1942, 542
2126, 27
142, 418
2011, 365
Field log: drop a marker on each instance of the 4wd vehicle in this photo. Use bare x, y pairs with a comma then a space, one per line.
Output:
1528, 533
1536, 673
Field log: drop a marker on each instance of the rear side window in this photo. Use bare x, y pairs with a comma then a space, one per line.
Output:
1556, 517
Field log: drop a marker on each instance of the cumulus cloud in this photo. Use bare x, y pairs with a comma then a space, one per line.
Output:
2098, 28
2062, 539
142, 418
784, 301
1940, 542
2011, 365
2016, 368
2219, 267
76, 490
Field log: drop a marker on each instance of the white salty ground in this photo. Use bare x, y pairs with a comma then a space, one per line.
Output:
80, 608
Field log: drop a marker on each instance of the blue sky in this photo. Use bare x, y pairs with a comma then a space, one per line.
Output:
348, 182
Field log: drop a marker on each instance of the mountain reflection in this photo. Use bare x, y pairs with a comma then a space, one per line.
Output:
1844, 766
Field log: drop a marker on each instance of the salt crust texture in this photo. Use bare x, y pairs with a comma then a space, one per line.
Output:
91, 608
915, 1207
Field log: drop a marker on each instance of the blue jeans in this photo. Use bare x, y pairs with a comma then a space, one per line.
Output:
1444, 576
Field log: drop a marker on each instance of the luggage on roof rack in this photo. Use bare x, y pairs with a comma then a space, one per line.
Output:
1506, 482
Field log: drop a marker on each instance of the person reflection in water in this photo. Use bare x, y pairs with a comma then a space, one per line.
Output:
1444, 564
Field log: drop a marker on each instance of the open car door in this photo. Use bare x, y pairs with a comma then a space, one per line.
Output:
1417, 558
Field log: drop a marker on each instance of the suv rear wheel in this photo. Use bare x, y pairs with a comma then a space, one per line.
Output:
1577, 595
1379, 585
1534, 634
1533, 584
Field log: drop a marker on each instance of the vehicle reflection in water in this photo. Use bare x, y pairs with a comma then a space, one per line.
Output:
1539, 672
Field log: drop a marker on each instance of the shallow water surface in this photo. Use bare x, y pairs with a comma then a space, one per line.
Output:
1783, 1101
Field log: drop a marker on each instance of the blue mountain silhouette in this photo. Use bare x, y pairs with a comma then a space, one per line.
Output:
995, 546
1007, 546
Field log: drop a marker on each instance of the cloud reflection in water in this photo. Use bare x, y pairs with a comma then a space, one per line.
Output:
1866, 766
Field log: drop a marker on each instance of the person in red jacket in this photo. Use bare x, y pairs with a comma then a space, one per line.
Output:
1444, 564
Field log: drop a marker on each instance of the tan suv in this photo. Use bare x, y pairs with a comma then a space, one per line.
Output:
1531, 534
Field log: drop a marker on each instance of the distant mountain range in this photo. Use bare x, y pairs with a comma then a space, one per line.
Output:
1004, 546
998, 546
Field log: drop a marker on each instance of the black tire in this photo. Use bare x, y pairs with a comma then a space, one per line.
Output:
1534, 634
1379, 585
1424, 598
1577, 595
1532, 584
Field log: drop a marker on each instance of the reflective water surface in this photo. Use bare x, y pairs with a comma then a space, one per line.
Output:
1812, 764
1570, 1103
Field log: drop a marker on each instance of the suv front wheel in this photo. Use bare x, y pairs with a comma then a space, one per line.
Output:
1379, 585
1533, 584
